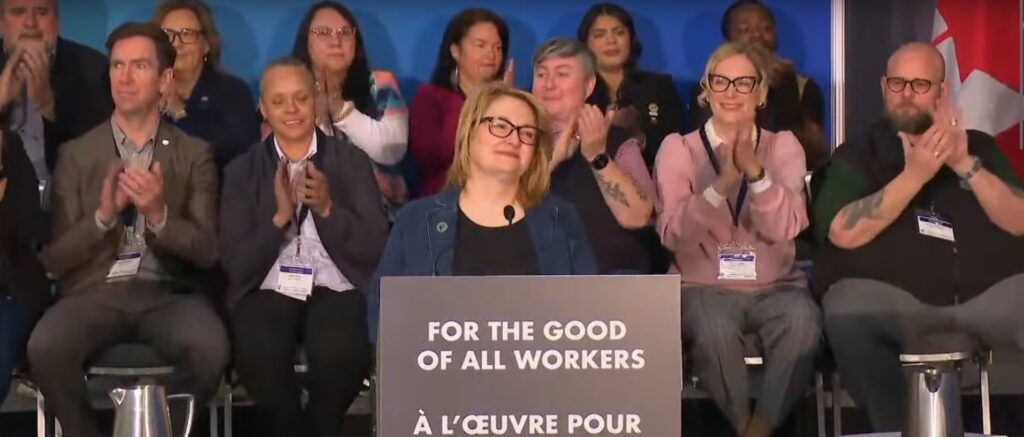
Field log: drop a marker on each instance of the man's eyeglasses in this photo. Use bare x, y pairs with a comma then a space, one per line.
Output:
743, 84
502, 128
898, 84
326, 33
186, 36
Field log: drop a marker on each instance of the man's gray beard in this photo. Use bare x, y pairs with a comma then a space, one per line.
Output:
915, 124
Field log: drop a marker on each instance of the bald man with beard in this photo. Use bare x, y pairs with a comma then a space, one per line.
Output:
920, 223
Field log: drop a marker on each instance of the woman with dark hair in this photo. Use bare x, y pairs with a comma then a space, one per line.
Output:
473, 52
365, 105
205, 101
608, 31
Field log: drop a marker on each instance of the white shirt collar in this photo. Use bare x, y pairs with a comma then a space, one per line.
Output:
310, 152
709, 128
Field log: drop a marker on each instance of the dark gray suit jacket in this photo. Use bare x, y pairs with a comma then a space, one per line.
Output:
81, 254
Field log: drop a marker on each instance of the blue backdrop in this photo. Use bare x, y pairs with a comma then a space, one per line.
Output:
403, 35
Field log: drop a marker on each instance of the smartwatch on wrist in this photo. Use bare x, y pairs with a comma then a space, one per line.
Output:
600, 162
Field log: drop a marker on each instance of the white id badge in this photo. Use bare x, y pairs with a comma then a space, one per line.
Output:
127, 263
737, 264
295, 278
933, 225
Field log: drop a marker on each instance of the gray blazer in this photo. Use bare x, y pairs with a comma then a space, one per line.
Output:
81, 254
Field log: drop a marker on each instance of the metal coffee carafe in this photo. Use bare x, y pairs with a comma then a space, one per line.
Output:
934, 401
142, 411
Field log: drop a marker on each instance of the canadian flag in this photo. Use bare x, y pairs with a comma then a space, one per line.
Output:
981, 44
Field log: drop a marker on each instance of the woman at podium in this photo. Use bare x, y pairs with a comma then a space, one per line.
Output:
495, 217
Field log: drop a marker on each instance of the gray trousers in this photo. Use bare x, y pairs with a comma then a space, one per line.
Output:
868, 322
181, 327
788, 324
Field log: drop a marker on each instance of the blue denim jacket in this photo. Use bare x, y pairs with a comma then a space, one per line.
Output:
422, 243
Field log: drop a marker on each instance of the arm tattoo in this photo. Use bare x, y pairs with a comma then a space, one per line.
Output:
642, 195
863, 208
611, 189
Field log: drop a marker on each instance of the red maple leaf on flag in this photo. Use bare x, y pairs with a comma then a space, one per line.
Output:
980, 42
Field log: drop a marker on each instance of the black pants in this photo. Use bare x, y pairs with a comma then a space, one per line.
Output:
182, 327
331, 326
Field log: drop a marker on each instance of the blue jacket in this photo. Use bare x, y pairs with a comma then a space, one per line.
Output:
422, 243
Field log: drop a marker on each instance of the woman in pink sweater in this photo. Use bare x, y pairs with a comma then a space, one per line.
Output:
731, 204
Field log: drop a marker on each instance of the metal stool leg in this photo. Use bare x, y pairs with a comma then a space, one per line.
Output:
229, 402
819, 402
41, 417
837, 406
214, 425
986, 411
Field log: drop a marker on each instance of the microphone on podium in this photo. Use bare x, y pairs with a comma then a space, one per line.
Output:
510, 213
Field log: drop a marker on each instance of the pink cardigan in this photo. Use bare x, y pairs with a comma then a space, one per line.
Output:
692, 227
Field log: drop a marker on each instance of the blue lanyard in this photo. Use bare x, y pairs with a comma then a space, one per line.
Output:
742, 196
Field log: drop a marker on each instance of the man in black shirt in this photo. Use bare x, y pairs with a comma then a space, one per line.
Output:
920, 223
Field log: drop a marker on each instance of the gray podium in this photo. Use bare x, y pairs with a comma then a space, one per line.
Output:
530, 355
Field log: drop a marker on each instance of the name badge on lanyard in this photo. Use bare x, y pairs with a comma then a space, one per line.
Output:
296, 273
295, 278
934, 225
737, 263
129, 259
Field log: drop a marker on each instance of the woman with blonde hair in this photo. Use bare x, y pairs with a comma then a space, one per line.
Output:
497, 196
732, 204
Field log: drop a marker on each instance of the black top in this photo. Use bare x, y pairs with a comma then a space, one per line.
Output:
21, 225
221, 111
936, 271
80, 83
617, 249
658, 107
502, 251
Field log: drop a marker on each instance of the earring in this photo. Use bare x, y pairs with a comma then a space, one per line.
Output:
761, 104
455, 76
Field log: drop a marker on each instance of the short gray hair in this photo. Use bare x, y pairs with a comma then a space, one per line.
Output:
563, 47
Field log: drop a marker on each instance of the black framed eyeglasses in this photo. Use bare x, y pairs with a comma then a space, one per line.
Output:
502, 128
898, 84
186, 36
743, 84
326, 33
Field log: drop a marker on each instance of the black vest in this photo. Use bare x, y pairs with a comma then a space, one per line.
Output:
936, 271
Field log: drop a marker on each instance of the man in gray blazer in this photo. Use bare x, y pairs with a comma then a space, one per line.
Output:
135, 204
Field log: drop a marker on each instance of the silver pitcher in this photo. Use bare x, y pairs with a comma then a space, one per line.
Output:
142, 411
933, 403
